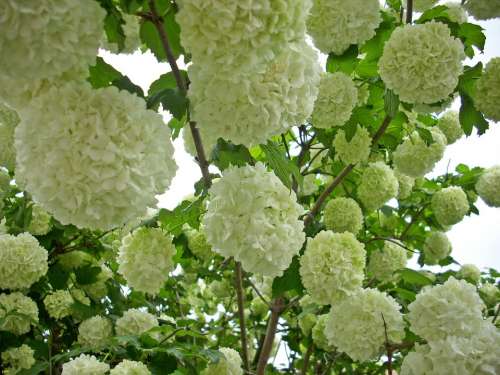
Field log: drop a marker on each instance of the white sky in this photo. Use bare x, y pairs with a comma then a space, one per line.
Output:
475, 240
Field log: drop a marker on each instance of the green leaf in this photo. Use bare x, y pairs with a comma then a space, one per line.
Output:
58, 277
344, 63
172, 100
472, 36
350, 130
104, 75
113, 23
426, 135
36, 369
186, 213
87, 274
470, 117
290, 280
151, 38
436, 13
226, 154
166, 81
391, 103
176, 126
414, 277
467, 81
284, 168
405, 294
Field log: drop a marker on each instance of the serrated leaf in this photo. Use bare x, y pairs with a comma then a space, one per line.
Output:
284, 168
472, 35
113, 23
470, 117
166, 81
172, 100
226, 154
185, 213
414, 277
103, 74
439, 12
468, 79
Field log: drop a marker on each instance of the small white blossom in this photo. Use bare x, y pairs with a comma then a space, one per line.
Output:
85, 365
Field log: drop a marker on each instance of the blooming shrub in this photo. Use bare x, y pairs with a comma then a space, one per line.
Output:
18, 359
58, 304
95, 332
487, 186
405, 184
384, 263
127, 367
343, 215
436, 247
378, 185
17, 312
229, 365
355, 151
483, 9
449, 124
487, 92
85, 365
469, 272
135, 322
450, 205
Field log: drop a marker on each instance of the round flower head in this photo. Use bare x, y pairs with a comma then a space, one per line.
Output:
405, 183
135, 322
356, 324
343, 215
8, 122
355, 151
415, 158
470, 273
131, 30
450, 205
319, 335
146, 258
249, 34
127, 367
378, 185
249, 108
332, 266
483, 9
58, 304
307, 322
451, 309
449, 125
229, 365
488, 186
337, 98
53, 36
309, 185
22, 261
490, 293
336, 24
421, 63
95, 332
421, 5
384, 263
437, 247
40, 221
253, 217
109, 155
456, 12
85, 365
17, 313
21, 358
197, 243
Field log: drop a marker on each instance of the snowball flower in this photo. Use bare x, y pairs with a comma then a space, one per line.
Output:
421, 63
437, 247
451, 309
422, 5
456, 12
8, 122
384, 263
58, 303
355, 151
336, 24
229, 365
469, 272
415, 158
356, 324
253, 217
146, 258
95, 332
17, 303
18, 359
309, 185
405, 184
378, 185
230, 34
337, 98
319, 336
85, 365
332, 266
22, 261
488, 186
197, 243
53, 36
40, 221
307, 322
131, 30
109, 155
343, 215
450, 205
135, 322
490, 293
483, 9
127, 367
449, 124
251, 107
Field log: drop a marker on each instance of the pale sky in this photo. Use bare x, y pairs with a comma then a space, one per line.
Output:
475, 240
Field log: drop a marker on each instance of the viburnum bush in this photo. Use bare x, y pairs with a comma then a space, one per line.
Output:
315, 241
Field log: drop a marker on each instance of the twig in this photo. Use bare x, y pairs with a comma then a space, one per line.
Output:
388, 347
259, 294
276, 309
409, 15
393, 241
307, 358
241, 315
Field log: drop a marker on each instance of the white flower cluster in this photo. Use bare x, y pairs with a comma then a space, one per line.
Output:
229, 365
422, 63
449, 125
358, 325
356, 150
384, 263
378, 185
146, 258
343, 215
309, 185
405, 183
490, 293
470, 273
109, 155
483, 9
319, 335
450, 205
85, 365
127, 367
95, 332
135, 322
8, 122
451, 309
487, 186
253, 217
422, 5
337, 98
456, 12
18, 359
437, 246
131, 30
58, 303
251, 107
40, 221
17, 313
197, 243
332, 266
487, 94
22, 261
336, 24
415, 158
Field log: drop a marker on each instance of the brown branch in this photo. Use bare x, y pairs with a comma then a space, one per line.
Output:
276, 309
409, 11
307, 358
388, 348
241, 314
